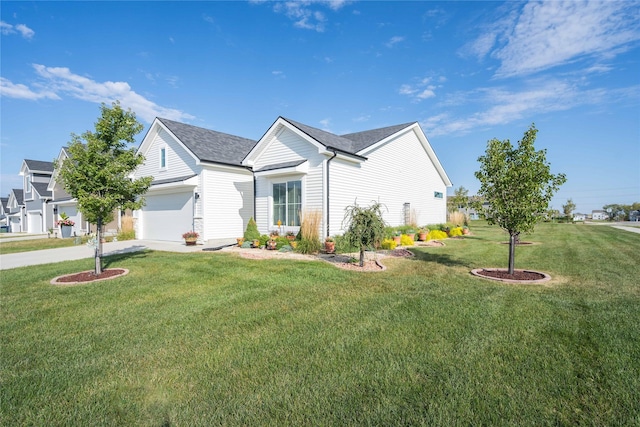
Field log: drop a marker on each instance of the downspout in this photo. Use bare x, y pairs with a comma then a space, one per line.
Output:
328, 181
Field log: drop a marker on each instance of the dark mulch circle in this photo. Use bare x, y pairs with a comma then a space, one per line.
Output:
518, 276
89, 276
401, 252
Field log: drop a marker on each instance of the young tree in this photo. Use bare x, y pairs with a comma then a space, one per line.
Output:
365, 227
460, 198
518, 185
568, 209
97, 173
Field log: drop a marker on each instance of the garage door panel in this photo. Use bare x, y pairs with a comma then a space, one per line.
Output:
167, 216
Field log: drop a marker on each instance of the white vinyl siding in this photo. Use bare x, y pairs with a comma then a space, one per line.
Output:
226, 203
396, 173
180, 161
287, 146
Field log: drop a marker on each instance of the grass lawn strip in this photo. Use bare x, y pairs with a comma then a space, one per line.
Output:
211, 338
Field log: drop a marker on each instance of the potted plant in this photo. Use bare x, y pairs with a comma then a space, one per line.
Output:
411, 233
271, 244
291, 236
240, 241
397, 237
465, 230
256, 243
65, 224
329, 245
422, 234
190, 238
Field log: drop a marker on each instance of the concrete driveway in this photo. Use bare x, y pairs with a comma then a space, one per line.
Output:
48, 256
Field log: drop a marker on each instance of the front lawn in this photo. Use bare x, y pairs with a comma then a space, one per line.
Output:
28, 245
213, 339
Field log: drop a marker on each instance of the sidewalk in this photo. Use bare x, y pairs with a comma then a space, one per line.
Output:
48, 256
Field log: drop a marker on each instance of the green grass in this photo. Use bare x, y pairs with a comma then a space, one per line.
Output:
212, 339
28, 245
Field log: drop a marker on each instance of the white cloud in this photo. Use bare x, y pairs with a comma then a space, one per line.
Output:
59, 81
542, 35
424, 89
497, 106
305, 13
393, 41
20, 91
325, 124
26, 32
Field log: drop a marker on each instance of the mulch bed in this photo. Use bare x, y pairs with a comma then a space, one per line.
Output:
518, 276
89, 276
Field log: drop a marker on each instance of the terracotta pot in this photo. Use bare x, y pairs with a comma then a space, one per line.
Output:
271, 244
422, 237
190, 242
329, 247
397, 239
256, 243
291, 238
412, 235
465, 231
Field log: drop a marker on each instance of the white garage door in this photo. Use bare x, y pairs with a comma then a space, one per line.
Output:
167, 216
34, 222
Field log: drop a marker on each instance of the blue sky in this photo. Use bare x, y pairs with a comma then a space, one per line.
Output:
466, 71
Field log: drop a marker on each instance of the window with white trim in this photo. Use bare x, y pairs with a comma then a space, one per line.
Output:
437, 195
287, 203
163, 157
27, 186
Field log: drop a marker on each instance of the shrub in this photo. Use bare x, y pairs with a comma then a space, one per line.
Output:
246, 245
388, 244
456, 231
251, 233
126, 235
406, 240
343, 245
437, 235
264, 239
366, 227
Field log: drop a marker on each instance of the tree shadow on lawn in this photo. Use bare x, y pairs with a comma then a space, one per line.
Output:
118, 256
443, 259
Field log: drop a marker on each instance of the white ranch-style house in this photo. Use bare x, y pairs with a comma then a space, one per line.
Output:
213, 182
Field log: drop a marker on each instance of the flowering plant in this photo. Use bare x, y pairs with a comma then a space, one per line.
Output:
64, 220
190, 235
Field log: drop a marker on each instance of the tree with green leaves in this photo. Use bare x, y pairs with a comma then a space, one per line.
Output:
365, 227
518, 184
568, 209
459, 199
97, 173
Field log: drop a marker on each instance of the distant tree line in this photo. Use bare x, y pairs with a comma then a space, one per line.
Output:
619, 212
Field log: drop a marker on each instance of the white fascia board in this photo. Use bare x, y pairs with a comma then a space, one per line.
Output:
173, 187
301, 169
226, 168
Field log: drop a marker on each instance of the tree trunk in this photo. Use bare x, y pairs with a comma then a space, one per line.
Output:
512, 251
98, 269
361, 257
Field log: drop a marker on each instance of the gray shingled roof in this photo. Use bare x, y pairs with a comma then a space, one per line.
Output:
209, 145
349, 143
39, 165
362, 140
19, 195
41, 188
5, 202
171, 180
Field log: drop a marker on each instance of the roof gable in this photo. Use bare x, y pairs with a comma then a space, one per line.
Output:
38, 166
208, 145
41, 188
362, 140
18, 195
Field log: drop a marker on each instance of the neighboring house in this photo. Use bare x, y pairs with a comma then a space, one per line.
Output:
4, 210
579, 217
15, 207
213, 182
298, 168
634, 215
199, 183
39, 212
599, 215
